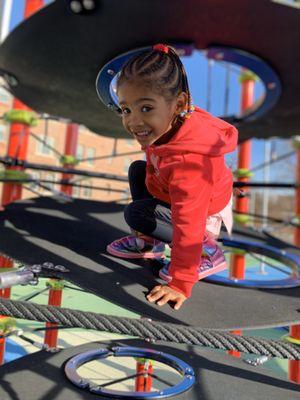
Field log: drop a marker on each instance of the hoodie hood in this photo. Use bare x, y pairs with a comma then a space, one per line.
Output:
202, 133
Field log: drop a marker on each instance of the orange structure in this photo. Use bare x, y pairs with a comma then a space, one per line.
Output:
70, 155
237, 268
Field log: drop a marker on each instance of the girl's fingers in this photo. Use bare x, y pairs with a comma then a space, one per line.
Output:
155, 294
162, 294
164, 299
178, 303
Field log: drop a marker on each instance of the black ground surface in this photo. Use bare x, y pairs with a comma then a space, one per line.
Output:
75, 234
40, 376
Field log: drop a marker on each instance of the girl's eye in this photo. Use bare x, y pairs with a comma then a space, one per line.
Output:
124, 111
146, 109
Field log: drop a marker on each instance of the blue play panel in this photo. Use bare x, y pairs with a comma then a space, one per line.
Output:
13, 351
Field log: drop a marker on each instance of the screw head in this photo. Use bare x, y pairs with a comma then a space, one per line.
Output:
76, 6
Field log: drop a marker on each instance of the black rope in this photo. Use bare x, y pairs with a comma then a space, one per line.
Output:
271, 219
44, 167
130, 153
149, 330
40, 182
267, 185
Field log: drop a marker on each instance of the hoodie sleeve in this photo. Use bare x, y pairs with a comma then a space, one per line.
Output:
190, 186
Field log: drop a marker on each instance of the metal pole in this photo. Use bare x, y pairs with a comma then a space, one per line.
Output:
70, 152
266, 192
54, 299
294, 365
5, 15
237, 267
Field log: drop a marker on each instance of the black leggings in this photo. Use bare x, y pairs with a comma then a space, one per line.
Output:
145, 213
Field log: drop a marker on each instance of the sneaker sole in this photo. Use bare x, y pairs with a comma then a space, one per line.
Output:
213, 271
164, 277
120, 254
204, 274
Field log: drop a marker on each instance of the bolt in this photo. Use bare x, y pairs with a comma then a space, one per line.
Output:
76, 6
88, 4
110, 72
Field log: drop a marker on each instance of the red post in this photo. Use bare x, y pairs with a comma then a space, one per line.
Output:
235, 353
17, 148
54, 299
143, 382
32, 6
237, 268
70, 152
294, 365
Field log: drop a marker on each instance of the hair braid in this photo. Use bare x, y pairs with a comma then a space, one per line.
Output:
162, 70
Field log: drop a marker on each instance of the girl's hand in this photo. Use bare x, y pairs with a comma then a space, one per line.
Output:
163, 294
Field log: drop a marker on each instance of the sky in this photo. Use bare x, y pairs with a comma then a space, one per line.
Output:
197, 71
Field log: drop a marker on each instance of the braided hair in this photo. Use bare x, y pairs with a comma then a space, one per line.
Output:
159, 68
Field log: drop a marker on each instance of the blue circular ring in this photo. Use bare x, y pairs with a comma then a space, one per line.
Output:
184, 369
291, 260
266, 74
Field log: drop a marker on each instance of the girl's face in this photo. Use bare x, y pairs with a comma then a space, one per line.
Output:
146, 114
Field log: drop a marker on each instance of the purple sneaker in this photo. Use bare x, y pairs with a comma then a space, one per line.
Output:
212, 262
133, 247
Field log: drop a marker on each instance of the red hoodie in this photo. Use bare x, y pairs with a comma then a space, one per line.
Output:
189, 172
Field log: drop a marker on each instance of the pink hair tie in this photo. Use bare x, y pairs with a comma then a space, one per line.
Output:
161, 47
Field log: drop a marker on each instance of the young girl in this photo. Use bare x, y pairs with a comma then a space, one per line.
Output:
183, 191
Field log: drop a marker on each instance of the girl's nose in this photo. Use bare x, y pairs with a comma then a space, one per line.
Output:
135, 120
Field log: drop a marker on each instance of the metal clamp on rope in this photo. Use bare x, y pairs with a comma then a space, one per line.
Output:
30, 274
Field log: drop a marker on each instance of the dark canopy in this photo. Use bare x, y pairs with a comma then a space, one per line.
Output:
56, 55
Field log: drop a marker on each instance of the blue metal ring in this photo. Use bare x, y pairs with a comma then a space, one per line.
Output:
184, 369
291, 260
266, 74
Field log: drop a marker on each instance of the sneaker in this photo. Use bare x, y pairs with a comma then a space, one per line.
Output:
133, 247
212, 262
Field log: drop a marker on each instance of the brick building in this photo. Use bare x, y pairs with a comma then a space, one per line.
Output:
90, 146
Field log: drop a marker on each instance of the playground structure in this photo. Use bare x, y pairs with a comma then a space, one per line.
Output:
61, 236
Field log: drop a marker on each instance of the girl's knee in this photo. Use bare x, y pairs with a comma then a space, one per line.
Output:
134, 215
130, 214
136, 167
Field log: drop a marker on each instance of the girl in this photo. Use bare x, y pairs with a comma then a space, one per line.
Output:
183, 191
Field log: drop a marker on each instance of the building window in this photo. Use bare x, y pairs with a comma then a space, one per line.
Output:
87, 192
127, 163
44, 147
49, 185
90, 155
34, 185
2, 133
130, 142
114, 152
80, 152
76, 191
